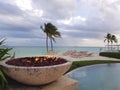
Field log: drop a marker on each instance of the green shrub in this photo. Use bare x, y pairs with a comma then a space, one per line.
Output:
3, 55
110, 54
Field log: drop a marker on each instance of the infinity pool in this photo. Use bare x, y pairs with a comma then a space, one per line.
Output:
97, 77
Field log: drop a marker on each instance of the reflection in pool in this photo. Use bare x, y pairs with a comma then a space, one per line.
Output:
97, 77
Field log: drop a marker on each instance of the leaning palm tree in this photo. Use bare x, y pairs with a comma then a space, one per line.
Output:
45, 29
108, 39
113, 40
51, 33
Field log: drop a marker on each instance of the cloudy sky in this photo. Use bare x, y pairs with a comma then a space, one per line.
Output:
81, 22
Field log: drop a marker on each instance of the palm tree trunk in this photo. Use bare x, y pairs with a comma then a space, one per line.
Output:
47, 43
108, 46
51, 44
111, 47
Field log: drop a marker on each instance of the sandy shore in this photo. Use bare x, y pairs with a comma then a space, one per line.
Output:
92, 57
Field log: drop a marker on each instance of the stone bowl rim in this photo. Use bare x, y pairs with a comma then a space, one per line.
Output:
3, 63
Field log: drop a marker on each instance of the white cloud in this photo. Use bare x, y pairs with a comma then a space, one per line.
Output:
73, 21
24, 4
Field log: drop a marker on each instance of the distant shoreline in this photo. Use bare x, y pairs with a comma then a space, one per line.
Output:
33, 50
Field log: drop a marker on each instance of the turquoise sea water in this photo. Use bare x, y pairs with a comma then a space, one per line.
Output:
36, 50
97, 77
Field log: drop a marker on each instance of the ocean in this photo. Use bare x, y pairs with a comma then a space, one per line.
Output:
39, 50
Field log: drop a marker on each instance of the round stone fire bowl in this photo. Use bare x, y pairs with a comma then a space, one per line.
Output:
35, 75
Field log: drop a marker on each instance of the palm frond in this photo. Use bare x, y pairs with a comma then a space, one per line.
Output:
57, 34
2, 42
53, 39
3, 81
4, 53
41, 27
105, 40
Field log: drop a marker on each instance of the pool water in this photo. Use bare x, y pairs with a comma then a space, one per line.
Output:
97, 77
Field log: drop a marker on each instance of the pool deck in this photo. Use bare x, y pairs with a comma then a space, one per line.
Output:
95, 56
63, 83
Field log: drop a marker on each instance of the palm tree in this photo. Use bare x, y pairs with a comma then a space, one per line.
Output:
108, 39
113, 40
51, 33
45, 29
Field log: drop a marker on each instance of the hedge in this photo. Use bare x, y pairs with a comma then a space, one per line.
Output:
110, 54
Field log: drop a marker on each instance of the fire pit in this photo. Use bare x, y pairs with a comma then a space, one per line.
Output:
37, 70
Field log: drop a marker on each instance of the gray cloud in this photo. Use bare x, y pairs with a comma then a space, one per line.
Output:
55, 9
8, 9
77, 20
